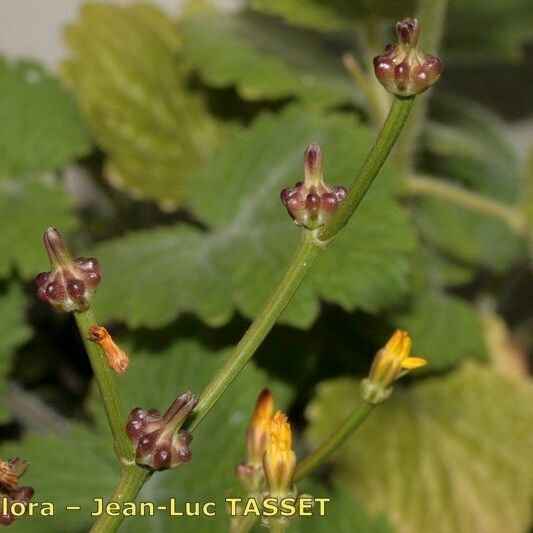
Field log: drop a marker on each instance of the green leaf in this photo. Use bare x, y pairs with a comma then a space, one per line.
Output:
13, 331
486, 32
27, 208
131, 84
265, 59
41, 129
468, 236
152, 276
342, 513
444, 329
327, 15
75, 468
447, 455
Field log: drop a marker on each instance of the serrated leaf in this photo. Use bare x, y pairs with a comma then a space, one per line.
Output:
327, 15
447, 455
13, 331
445, 329
152, 276
131, 83
77, 467
468, 236
265, 59
40, 126
27, 208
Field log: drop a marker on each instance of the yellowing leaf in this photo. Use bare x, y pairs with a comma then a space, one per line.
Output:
128, 76
450, 454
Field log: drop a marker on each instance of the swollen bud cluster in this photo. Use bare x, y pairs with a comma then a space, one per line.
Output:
403, 69
311, 202
71, 283
158, 440
10, 472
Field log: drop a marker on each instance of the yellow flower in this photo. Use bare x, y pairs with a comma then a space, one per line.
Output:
279, 460
258, 432
390, 363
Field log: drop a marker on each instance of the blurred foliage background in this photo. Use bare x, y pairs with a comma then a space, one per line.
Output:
160, 146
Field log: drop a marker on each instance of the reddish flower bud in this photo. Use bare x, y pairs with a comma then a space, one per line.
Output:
403, 69
10, 472
311, 202
70, 284
158, 440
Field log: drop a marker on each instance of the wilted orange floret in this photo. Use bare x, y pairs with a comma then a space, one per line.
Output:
116, 357
258, 432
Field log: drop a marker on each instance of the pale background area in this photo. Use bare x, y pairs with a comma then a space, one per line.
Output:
34, 28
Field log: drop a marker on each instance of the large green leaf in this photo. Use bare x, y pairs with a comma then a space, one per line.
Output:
266, 59
476, 30
40, 127
151, 276
73, 469
330, 15
451, 454
27, 207
13, 331
131, 84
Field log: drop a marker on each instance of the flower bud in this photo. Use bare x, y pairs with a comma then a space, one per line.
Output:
311, 202
158, 440
403, 69
70, 284
10, 473
390, 363
279, 460
117, 358
250, 472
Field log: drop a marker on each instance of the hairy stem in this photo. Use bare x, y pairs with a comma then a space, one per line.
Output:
431, 14
428, 186
335, 440
107, 387
133, 478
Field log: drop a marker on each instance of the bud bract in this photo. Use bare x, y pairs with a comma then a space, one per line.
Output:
70, 284
158, 440
311, 202
403, 69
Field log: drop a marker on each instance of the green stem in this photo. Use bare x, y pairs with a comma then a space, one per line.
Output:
428, 186
431, 14
304, 256
336, 439
133, 478
390, 131
107, 387
308, 249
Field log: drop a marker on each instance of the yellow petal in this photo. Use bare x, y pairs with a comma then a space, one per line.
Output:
413, 362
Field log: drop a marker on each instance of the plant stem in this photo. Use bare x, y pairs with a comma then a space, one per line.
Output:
107, 387
428, 186
133, 478
306, 252
431, 14
308, 249
335, 440
390, 131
